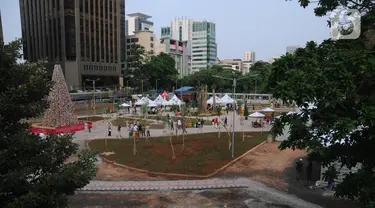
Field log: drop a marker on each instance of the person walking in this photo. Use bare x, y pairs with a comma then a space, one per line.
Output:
179, 124
172, 124
119, 131
109, 131
299, 169
148, 131
184, 128
225, 121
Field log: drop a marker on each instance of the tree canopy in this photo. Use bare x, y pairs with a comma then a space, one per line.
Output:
249, 85
337, 77
149, 68
33, 172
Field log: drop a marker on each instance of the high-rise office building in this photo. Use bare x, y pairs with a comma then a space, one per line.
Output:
138, 22
249, 56
1, 30
87, 37
201, 39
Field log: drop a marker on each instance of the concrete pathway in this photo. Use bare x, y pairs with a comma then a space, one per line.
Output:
100, 130
257, 189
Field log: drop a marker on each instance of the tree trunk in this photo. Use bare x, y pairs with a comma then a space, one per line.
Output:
214, 100
243, 133
134, 146
218, 134
170, 141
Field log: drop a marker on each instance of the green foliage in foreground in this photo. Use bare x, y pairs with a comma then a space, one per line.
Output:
33, 172
338, 77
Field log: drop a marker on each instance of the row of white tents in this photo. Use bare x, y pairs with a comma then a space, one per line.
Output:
159, 101
224, 100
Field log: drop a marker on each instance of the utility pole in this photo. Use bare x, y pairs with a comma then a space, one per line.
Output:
234, 104
93, 96
234, 113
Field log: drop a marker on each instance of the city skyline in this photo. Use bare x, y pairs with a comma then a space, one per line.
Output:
265, 35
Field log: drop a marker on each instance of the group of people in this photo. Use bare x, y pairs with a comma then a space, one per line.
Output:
131, 127
179, 124
215, 122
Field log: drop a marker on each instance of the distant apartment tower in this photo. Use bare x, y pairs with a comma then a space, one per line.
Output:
291, 49
249, 56
1, 30
201, 39
146, 39
87, 37
179, 51
138, 22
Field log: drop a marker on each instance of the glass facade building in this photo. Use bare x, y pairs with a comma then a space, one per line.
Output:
201, 38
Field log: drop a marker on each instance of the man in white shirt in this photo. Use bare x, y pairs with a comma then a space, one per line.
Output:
179, 124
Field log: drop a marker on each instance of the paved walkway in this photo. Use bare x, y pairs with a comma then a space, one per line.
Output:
100, 130
257, 189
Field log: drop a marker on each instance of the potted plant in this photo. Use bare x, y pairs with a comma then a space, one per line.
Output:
246, 112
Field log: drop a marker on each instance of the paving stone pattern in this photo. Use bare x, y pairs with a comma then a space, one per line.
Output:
162, 185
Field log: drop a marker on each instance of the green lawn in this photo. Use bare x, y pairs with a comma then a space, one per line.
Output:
175, 119
143, 122
91, 118
203, 154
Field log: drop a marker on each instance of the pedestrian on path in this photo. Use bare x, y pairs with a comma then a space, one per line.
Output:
148, 131
172, 125
184, 127
299, 169
109, 131
119, 131
225, 121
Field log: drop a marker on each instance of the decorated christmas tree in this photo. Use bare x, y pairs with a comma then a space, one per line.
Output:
60, 111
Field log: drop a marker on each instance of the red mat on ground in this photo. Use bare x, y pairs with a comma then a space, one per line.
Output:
59, 129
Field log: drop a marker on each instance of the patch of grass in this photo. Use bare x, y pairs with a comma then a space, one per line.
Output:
176, 118
91, 118
82, 108
203, 153
143, 122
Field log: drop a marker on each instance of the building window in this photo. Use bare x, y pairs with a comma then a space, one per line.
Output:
152, 45
151, 38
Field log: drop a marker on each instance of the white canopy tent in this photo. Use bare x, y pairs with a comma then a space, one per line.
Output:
124, 105
226, 100
142, 101
256, 115
159, 100
268, 109
166, 103
211, 100
152, 103
176, 101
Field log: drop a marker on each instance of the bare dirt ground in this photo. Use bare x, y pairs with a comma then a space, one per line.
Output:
266, 164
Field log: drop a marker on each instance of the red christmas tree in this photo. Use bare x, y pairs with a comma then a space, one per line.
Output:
60, 111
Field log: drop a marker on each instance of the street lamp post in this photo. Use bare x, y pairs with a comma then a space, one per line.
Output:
234, 104
93, 86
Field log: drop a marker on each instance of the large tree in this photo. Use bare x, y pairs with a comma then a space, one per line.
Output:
33, 172
338, 78
162, 68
